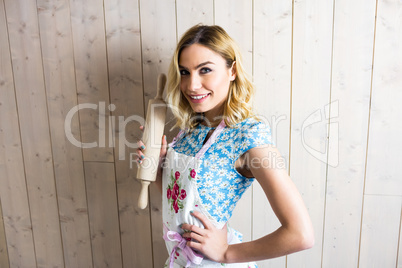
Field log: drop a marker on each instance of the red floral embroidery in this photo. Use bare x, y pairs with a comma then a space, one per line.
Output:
176, 206
192, 173
174, 193
182, 194
169, 193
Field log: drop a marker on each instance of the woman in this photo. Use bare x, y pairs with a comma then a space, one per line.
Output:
221, 148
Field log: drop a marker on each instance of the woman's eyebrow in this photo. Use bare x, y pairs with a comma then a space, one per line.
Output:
198, 66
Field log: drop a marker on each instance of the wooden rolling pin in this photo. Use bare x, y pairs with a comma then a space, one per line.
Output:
152, 139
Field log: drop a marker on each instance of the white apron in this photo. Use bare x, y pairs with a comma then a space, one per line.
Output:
180, 197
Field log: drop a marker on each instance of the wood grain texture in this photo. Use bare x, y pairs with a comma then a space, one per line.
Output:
272, 68
3, 242
158, 41
13, 191
125, 78
192, 12
399, 263
350, 90
89, 44
312, 39
383, 173
236, 18
380, 230
103, 214
158, 44
272, 77
56, 40
33, 120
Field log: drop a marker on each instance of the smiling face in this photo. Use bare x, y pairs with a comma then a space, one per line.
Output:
205, 80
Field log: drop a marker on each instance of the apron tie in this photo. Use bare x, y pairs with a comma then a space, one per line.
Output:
188, 252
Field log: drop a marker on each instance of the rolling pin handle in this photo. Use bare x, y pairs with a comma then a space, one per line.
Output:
160, 85
143, 199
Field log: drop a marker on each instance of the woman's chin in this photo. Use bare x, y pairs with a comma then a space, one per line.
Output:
198, 110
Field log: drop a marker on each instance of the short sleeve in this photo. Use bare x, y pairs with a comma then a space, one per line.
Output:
252, 134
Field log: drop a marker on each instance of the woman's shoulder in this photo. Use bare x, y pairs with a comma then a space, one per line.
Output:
251, 124
250, 133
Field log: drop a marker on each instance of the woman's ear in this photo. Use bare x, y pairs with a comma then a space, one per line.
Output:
233, 71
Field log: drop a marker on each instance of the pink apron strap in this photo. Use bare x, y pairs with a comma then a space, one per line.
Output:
181, 243
211, 139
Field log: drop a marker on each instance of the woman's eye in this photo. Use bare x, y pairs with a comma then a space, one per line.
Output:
183, 72
205, 70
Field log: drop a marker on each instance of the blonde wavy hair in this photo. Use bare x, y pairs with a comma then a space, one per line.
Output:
241, 91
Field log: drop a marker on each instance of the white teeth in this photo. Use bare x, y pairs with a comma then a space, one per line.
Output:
198, 97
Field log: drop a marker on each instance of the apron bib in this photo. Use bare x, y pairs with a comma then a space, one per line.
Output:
180, 197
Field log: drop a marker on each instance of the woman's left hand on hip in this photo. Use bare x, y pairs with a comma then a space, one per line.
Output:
211, 241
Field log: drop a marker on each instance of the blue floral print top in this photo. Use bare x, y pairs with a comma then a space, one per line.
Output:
220, 185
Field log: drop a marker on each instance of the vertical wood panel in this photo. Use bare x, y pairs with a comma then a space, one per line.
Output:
351, 82
312, 42
192, 12
3, 243
103, 214
87, 19
125, 78
32, 110
383, 172
57, 51
380, 229
272, 67
272, 77
399, 264
236, 18
158, 36
13, 189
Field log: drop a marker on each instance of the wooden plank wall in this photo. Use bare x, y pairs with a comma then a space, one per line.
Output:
328, 78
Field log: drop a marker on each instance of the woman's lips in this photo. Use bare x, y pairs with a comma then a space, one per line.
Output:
198, 98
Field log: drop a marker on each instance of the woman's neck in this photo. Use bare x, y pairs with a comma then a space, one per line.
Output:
212, 118
212, 122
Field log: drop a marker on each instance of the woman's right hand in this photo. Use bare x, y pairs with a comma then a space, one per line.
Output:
162, 155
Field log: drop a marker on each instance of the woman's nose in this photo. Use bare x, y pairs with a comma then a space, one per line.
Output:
194, 82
